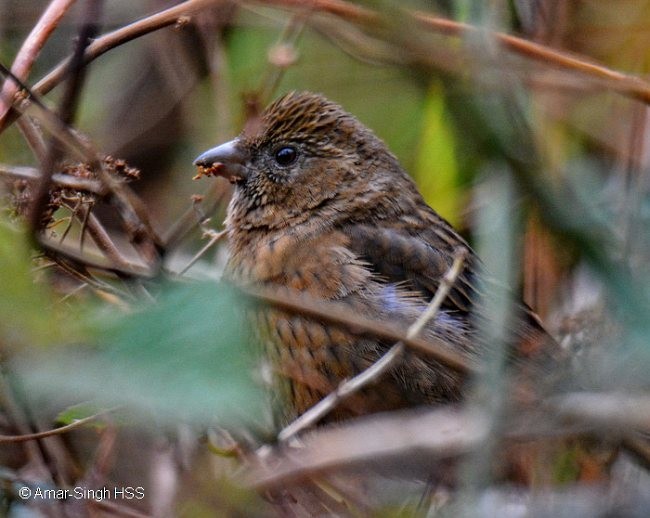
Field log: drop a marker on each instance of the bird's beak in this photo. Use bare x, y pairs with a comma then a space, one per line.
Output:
227, 160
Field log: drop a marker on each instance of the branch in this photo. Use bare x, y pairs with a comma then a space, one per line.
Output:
215, 237
407, 436
627, 85
67, 111
29, 51
63, 180
331, 312
49, 433
132, 210
171, 16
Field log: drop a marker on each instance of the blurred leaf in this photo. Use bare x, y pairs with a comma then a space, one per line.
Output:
26, 316
182, 358
436, 170
75, 413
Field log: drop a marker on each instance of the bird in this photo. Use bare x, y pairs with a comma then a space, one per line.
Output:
321, 207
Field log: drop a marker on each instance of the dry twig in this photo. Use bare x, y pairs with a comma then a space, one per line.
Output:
56, 431
29, 51
416, 435
331, 312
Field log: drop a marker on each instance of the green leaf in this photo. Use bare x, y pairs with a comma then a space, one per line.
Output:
184, 358
436, 170
26, 315
75, 413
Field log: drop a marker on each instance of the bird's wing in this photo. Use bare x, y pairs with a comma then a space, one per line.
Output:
412, 261
420, 261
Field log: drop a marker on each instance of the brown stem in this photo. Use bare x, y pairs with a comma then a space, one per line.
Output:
29, 51
123, 35
59, 179
67, 110
48, 433
336, 314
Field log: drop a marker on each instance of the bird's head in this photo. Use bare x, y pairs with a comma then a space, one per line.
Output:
305, 154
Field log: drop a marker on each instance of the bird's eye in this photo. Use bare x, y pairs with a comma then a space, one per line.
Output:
286, 155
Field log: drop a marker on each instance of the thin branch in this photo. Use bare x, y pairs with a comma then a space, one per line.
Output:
29, 51
187, 221
75, 261
278, 64
67, 111
381, 366
103, 240
123, 35
17, 416
56, 431
410, 437
131, 208
91, 224
625, 84
338, 314
84, 277
32, 174
215, 238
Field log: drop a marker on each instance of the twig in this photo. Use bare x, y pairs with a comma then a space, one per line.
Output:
334, 313
187, 221
275, 71
31, 174
130, 207
67, 111
98, 286
103, 240
377, 369
124, 35
216, 236
56, 431
29, 51
59, 253
17, 416
408, 437
628, 85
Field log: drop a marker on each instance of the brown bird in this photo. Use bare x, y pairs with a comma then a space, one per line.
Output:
320, 205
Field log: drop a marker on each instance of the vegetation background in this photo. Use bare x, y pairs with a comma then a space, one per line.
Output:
126, 363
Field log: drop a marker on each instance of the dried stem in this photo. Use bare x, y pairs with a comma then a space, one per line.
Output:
407, 437
132, 31
188, 221
55, 431
624, 84
381, 366
628, 85
67, 111
131, 209
29, 51
31, 174
333, 313
215, 238
103, 240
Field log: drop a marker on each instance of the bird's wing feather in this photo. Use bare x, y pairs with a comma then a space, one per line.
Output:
420, 261
402, 258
